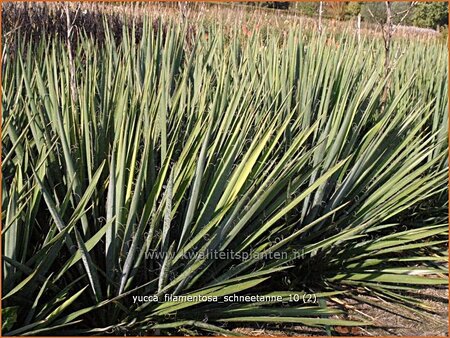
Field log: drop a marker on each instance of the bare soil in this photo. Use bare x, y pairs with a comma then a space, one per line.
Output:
387, 319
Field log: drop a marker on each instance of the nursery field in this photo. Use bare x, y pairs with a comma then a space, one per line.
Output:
165, 178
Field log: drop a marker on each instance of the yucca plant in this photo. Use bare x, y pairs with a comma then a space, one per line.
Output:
258, 145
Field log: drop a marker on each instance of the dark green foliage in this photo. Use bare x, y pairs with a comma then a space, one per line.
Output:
307, 8
9, 317
353, 8
430, 15
277, 4
270, 4
375, 12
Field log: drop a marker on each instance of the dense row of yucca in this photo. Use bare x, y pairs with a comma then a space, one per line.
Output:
260, 145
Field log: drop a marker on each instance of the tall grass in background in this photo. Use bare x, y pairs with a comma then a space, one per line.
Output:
179, 143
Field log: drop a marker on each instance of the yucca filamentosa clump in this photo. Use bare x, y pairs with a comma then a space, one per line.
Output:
250, 166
